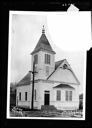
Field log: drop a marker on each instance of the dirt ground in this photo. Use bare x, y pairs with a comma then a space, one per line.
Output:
39, 113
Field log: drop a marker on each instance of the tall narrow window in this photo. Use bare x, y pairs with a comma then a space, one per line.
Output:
47, 59
68, 95
25, 96
36, 59
35, 94
58, 95
19, 95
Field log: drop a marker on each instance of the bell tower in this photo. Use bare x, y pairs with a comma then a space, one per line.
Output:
44, 57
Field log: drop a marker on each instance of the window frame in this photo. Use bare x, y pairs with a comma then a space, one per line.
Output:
58, 95
19, 96
68, 95
26, 94
36, 58
71, 95
47, 58
35, 94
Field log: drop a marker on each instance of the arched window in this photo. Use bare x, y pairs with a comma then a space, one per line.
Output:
65, 66
36, 59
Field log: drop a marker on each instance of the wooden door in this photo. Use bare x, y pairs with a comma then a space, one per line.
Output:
46, 98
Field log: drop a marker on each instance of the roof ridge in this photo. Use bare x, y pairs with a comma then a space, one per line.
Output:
60, 60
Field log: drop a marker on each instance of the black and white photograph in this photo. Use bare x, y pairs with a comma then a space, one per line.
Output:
47, 64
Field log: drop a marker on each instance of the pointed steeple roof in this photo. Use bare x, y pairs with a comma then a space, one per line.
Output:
43, 44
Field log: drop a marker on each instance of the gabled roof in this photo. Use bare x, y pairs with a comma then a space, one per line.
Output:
26, 80
57, 63
63, 86
43, 44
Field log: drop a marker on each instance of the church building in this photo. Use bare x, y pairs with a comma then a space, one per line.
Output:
50, 82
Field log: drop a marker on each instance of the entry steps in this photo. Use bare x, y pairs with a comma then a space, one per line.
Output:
48, 108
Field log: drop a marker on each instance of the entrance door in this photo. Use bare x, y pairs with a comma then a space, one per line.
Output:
46, 97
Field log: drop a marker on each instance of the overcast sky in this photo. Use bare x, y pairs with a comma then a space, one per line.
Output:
65, 34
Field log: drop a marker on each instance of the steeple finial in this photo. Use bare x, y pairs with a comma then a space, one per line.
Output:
43, 30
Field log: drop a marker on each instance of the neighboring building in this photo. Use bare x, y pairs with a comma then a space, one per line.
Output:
12, 95
55, 83
81, 101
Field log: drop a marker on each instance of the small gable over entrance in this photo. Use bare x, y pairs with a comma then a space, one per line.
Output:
64, 86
